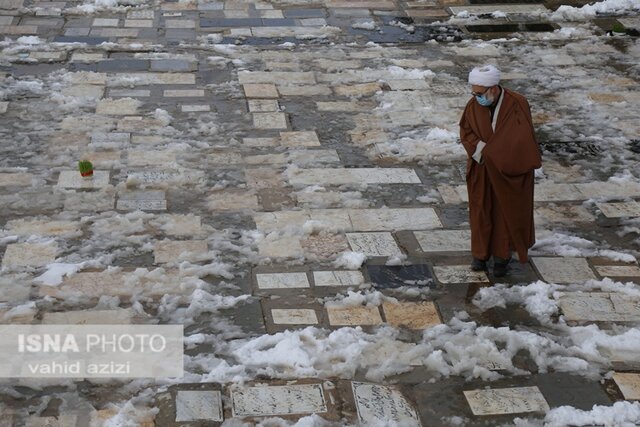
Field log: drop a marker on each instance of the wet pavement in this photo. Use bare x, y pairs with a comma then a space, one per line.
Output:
284, 179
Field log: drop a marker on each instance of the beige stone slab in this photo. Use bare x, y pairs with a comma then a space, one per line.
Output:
29, 254
310, 158
459, 274
178, 225
270, 120
84, 91
596, 189
620, 209
354, 316
42, 227
361, 4
296, 90
412, 315
195, 108
105, 22
263, 105
341, 106
294, 316
19, 179
564, 214
563, 270
444, 240
416, 84
138, 23
299, 139
338, 278
374, 244
118, 107
394, 219
72, 179
18, 29
150, 158
505, 8
618, 270
260, 90
179, 23
272, 221
115, 32
48, 56
280, 247
544, 192
171, 251
324, 247
362, 89
261, 142
118, 316
276, 77
258, 178
87, 57
145, 79
339, 176
184, 93
499, 401
3, 107
629, 384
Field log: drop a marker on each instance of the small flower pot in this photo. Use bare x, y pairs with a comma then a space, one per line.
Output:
88, 174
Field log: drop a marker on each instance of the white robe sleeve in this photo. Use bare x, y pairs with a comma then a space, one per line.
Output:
477, 155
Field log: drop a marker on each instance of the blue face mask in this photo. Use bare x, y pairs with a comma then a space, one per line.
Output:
482, 100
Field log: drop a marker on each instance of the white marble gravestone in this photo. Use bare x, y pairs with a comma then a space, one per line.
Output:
381, 404
563, 270
282, 280
338, 278
29, 254
499, 401
374, 244
142, 200
72, 179
193, 405
629, 384
278, 400
294, 316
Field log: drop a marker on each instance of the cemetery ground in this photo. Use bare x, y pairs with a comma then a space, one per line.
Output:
284, 180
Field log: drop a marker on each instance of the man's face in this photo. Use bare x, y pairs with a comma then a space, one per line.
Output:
488, 92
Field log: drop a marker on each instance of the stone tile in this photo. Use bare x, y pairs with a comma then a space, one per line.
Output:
411, 315
394, 276
3, 107
379, 405
150, 158
337, 278
309, 158
19, 179
299, 139
354, 316
504, 8
233, 201
195, 108
618, 270
72, 179
163, 177
172, 251
270, 120
111, 140
145, 79
563, 270
174, 65
43, 228
18, 29
118, 107
260, 90
260, 142
313, 22
29, 254
294, 316
629, 384
273, 77
75, 32
394, 219
362, 89
63, 420
459, 274
374, 244
138, 23
408, 84
15, 288
444, 240
599, 307
84, 91
594, 190
178, 225
118, 316
97, 201
142, 201
500, 401
620, 210
297, 90
184, 93
179, 23
280, 247
278, 400
338, 176
258, 178
105, 22
266, 159
198, 405
115, 32
263, 105
564, 214
282, 280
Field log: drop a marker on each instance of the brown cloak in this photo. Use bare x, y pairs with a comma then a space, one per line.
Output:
501, 187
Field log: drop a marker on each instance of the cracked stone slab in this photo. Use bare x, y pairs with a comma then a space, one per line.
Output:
497, 401
459, 274
354, 316
563, 270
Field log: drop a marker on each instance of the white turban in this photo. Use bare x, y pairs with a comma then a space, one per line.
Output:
486, 76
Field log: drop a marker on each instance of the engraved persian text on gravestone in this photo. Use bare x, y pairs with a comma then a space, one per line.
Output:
377, 403
278, 400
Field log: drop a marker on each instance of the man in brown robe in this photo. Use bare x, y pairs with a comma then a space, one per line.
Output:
496, 130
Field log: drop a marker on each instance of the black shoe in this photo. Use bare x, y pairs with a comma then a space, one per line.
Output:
478, 265
500, 266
